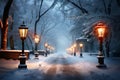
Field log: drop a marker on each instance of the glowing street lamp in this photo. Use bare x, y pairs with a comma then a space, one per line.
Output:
49, 49
46, 47
81, 47
37, 40
72, 50
74, 47
52, 49
23, 30
101, 31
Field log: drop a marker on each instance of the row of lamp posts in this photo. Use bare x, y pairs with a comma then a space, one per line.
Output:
37, 40
101, 32
23, 31
48, 48
73, 48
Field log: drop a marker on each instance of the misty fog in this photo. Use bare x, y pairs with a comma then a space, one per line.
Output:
61, 22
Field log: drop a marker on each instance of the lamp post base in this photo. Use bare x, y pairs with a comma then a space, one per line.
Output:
22, 62
101, 66
81, 55
74, 54
45, 54
36, 55
22, 66
101, 62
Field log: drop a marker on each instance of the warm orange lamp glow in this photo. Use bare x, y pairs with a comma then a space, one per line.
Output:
74, 45
81, 45
37, 39
100, 30
52, 48
23, 32
49, 47
46, 45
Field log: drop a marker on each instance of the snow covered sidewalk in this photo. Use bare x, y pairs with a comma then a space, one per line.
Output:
60, 67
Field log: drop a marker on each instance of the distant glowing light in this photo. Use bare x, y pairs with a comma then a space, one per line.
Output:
81, 45
37, 38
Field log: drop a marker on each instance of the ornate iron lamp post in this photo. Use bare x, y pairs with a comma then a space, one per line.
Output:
37, 40
23, 30
101, 31
81, 47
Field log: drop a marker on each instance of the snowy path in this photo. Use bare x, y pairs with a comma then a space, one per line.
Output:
60, 67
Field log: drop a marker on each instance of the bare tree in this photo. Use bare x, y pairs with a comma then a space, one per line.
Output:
80, 7
89, 20
4, 29
1, 25
40, 14
107, 8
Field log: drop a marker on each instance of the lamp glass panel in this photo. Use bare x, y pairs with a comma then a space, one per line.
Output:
46, 44
101, 32
37, 39
23, 32
81, 45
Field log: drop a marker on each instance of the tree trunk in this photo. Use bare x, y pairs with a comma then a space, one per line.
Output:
4, 30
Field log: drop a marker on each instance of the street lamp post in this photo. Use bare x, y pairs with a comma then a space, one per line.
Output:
52, 49
46, 46
37, 40
49, 49
81, 47
74, 46
72, 50
101, 32
23, 30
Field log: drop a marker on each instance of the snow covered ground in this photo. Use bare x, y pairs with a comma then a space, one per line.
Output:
61, 67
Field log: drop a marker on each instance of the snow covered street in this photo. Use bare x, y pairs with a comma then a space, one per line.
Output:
61, 67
